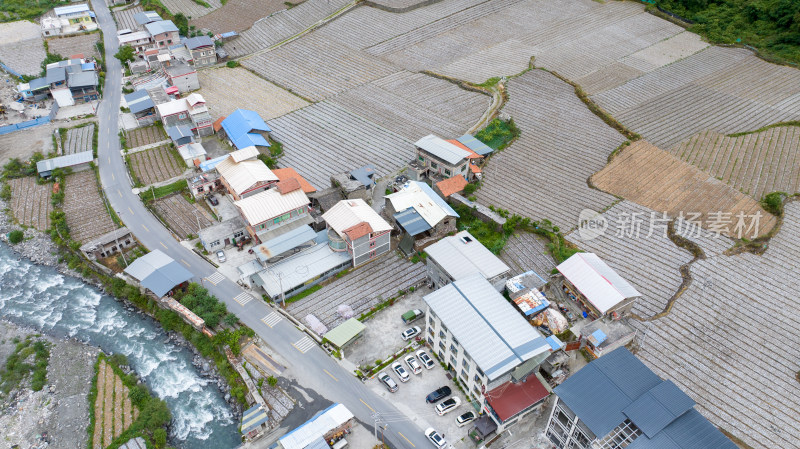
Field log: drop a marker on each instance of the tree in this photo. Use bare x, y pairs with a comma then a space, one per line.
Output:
125, 54
15, 236
160, 437
231, 319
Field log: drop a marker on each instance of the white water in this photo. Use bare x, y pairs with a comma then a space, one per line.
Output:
59, 305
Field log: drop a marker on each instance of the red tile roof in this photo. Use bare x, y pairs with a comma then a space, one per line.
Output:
289, 172
218, 124
474, 168
288, 185
509, 398
358, 231
472, 154
452, 185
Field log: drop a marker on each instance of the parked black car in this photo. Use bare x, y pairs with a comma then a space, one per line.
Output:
213, 200
438, 395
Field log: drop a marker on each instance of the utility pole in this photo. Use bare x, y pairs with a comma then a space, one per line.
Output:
376, 418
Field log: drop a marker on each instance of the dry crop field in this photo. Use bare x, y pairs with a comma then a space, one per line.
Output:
145, 136
113, 411
280, 25
236, 15
21, 47
721, 89
543, 173
125, 17
756, 163
323, 139
78, 139
156, 164
414, 105
86, 213
376, 282
525, 251
191, 9
227, 89
649, 176
725, 340
85, 44
30, 202
182, 216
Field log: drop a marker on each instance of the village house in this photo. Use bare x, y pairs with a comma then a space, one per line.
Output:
35, 90
422, 214
180, 134
462, 255
492, 350
449, 186
286, 173
274, 211
71, 81
108, 244
145, 17
244, 128
183, 76
596, 286
244, 175
139, 40
353, 226
163, 33
202, 50
190, 111
439, 159
327, 429
192, 153
69, 19
142, 107
222, 235
617, 401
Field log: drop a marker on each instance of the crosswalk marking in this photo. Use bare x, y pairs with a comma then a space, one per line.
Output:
243, 298
272, 319
304, 344
216, 278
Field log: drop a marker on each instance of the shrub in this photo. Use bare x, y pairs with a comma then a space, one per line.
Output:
160, 437
232, 64
470, 189
272, 381
16, 236
773, 203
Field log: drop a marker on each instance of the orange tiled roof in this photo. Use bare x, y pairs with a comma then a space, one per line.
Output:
452, 185
472, 154
289, 172
357, 231
288, 185
218, 124
474, 168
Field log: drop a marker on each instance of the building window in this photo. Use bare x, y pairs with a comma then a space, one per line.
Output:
447, 172
430, 331
441, 346
442, 334
434, 165
464, 377
453, 361
621, 436
465, 364
453, 349
463, 167
238, 234
430, 341
421, 159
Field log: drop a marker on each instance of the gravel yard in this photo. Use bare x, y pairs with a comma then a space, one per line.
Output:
78, 140
543, 174
236, 15
22, 47
86, 213
140, 137
227, 89
156, 164
183, 217
524, 252
30, 202
125, 19
706, 343
85, 44
361, 289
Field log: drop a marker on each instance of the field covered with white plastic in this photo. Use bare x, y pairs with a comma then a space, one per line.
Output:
544, 173
190, 8
727, 340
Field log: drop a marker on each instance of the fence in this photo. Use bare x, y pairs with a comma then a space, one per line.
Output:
8, 69
29, 124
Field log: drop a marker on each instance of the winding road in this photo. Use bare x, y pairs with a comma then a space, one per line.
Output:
312, 366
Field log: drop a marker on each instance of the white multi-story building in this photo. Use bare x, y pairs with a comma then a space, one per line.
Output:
494, 352
462, 255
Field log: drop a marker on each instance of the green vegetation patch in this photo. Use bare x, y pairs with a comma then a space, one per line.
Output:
160, 192
30, 356
498, 134
26, 9
205, 305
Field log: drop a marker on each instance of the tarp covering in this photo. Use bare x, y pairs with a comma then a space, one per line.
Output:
315, 324
345, 311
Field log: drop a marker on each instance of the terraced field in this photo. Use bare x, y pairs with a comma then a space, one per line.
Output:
144, 136
323, 139
237, 15
84, 44
756, 164
283, 24
317, 68
21, 47
706, 344
113, 411
156, 164
721, 89
78, 139
654, 178
362, 289
543, 174
86, 213
222, 89
125, 19
524, 252
191, 9
184, 218
415, 105
30, 202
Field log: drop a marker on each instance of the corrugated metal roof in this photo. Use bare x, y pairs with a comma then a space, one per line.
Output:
487, 326
82, 79
68, 160
328, 419
299, 269
348, 213
442, 149
654, 410
475, 145
162, 26
249, 140
269, 204
364, 174
192, 151
146, 17
600, 284
462, 255
139, 101
284, 242
411, 221
158, 272
38, 83
135, 36
689, 431
430, 206
55, 74
71, 9
179, 132
344, 332
173, 107
239, 127
252, 418
198, 41
211, 164
244, 154
243, 175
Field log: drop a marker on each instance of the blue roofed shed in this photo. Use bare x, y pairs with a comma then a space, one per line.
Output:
253, 421
475, 145
246, 128
180, 134
364, 175
285, 242
139, 101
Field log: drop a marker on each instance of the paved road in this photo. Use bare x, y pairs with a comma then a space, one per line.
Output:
313, 368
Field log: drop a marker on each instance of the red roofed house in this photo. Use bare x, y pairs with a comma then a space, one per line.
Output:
475, 161
353, 226
284, 174
450, 186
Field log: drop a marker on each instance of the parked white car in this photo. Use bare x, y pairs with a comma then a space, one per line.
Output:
410, 333
465, 418
447, 406
413, 364
437, 440
425, 359
400, 371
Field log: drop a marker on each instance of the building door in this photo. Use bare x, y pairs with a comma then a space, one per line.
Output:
227, 242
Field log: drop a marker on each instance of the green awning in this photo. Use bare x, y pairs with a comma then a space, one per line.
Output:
342, 334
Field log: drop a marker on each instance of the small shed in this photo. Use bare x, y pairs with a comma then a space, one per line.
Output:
254, 421
158, 272
192, 152
77, 162
181, 135
345, 333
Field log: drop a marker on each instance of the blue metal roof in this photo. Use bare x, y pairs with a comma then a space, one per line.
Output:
599, 336
179, 132
211, 163
162, 26
139, 101
689, 431
239, 127
253, 418
411, 221
229, 34
364, 174
436, 198
249, 140
38, 83
555, 342
475, 145
158, 272
198, 41
284, 242
654, 410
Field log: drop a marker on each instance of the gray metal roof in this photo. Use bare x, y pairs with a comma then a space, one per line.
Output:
82, 79
139, 101
364, 174
146, 17
442, 149
221, 230
162, 26
475, 145
411, 221
462, 255
158, 272
38, 83
69, 160
198, 41
179, 132
284, 242
494, 334
618, 386
55, 74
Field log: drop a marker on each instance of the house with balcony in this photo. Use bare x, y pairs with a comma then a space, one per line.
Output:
244, 175
421, 214
274, 211
462, 255
599, 289
163, 33
69, 19
353, 226
190, 111
202, 51
139, 40
617, 401
438, 159
492, 350
183, 76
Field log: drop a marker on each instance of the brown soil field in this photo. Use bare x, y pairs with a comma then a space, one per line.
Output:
183, 217
647, 175
755, 164
237, 15
72, 45
144, 136
86, 213
157, 164
30, 202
